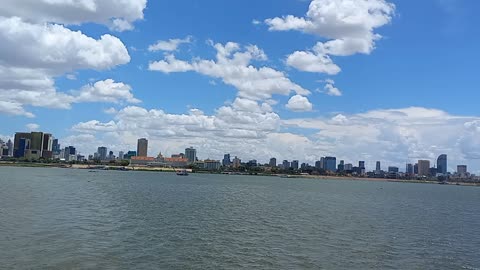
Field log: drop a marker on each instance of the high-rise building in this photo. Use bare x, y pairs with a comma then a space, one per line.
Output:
236, 162
322, 163
378, 168
191, 155
111, 156
142, 147
295, 164
341, 166
47, 148
423, 167
10, 148
273, 162
318, 165
442, 164
102, 153
226, 160
121, 155
330, 164
286, 165
415, 169
462, 169
409, 170
393, 169
56, 148
348, 167
361, 164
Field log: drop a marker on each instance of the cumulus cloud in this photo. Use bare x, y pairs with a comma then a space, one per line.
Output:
299, 103
331, 90
169, 45
233, 64
32, 55
118, 15
251, 131
106, 91
349, 27
32, 127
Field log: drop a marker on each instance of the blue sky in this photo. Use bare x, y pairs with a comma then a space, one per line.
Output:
419, 79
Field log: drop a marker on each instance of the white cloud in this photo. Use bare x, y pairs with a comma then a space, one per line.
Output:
299, 103
393, 136
331, 90
256, 22
32, 55
110, 110
118, 15
13, 108
234, 67
106, 91
169, 45
349, 27
32, 127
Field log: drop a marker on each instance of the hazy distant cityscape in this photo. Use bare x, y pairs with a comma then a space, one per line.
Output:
43, 147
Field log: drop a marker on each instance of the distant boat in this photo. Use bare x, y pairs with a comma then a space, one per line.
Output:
182, 172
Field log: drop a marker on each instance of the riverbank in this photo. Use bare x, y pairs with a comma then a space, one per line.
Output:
170, 170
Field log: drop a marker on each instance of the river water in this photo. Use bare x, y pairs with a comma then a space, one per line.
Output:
76, 219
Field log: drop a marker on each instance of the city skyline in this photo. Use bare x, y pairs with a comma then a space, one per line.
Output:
241, 79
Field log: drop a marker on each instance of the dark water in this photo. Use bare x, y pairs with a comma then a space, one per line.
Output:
71, 219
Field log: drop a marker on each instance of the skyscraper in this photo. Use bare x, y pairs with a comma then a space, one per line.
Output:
330, 164
286, 165
361, 164
423, 167
102, 153
442, 164
226, 160
191, 155
341, 166
378, 167
409, 169
10, 148
142, 147
273, 162
237, 162
462, 169
120, 155
56, 147
294, 164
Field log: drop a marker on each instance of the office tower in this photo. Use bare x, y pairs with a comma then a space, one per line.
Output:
56, 148
415, 168
330, 164
142, 147
237, 162
19, 150
322, 163
318, 165
120, 155
295, 164
102, 153
130, 154
341, 166
36, 142
47, 148
378, 168
462, 169
111, 156
286, 165
191, 155
273, 162
348, 167
226, 160
10, 148
423, 167
361, 165
409, 169
442, 164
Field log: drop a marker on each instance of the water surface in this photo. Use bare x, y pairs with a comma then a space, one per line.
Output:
75, 219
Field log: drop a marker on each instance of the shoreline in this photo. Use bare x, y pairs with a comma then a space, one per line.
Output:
166, 170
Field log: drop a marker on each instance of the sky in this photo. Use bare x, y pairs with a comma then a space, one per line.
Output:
394, 81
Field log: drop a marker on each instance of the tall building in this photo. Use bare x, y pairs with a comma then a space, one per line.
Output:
361, 164
415, 169
442, 164
10, 148
286, 165
322, 163
423, 167
273, 162
142, 147
56, 148
295, 164
348, 167
47, 148
462, 169
226, 160
111, 156
378, 167
409, 169
330, 164
393, 169
341, 166
102, 153
191, 155
120, 155
236, 162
